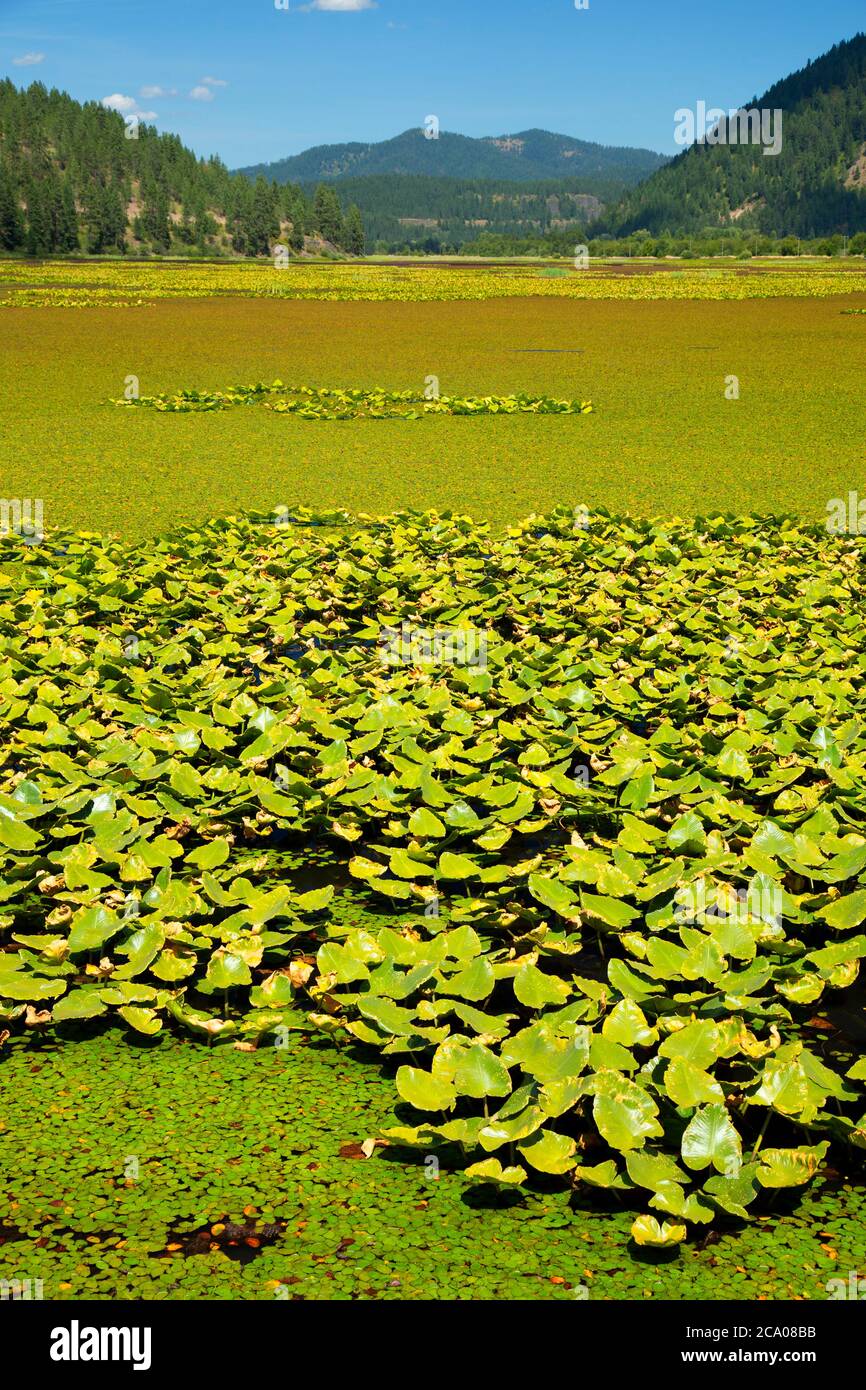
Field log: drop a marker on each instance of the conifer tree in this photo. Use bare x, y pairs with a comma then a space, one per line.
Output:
39, 235
327, 214
353, 232
11, 221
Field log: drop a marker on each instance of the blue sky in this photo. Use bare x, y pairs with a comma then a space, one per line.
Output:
252, 82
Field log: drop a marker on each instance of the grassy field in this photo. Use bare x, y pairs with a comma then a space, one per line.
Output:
663, 438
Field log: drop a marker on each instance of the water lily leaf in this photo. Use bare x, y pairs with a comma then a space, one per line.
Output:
23, 986
457, 866
498, 1131
604, 1175
335, 961
174, 964
549, 1152
142, 948
555, 895
80, 1003
846, 913
360, 868
687, 831
423, 1090
463, 943
784, 1086
479, 1072
790, 1167
276, 991
14, 834
626, 1115
671, 1198
316, 900
224, 971
734, 1195
733, 763
185, 780
92, 928
491, 1170
491, 1025
710, 1138
647, 1231
610, 910
211, 855
605, 1053
404, 865
474, 983
388, 1016
423, 822
142, 1020
545, 1056
536, 990
626, 1024
638, 793
699, 1042
688, 1086
652, 1169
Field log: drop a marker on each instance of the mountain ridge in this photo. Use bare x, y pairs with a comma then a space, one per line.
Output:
815, 186
529, 155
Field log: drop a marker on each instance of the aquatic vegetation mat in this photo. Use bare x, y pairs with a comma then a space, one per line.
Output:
332, 403
67, 284
605, 776
94, 1196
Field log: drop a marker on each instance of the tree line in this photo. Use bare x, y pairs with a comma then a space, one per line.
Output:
79, 178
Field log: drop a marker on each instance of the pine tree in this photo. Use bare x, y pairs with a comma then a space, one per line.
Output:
67, 229
327, 214
93, 220
262, 223
11, 222
297, 212
205, 227
155, 219
39, 234
353, 232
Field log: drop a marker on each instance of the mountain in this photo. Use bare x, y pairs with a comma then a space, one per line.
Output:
530, 155
814, 186
76, 178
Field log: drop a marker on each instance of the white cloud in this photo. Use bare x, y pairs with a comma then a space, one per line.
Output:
127, 106
206, 89
29, 60
342, 6
118, 102
149, 92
